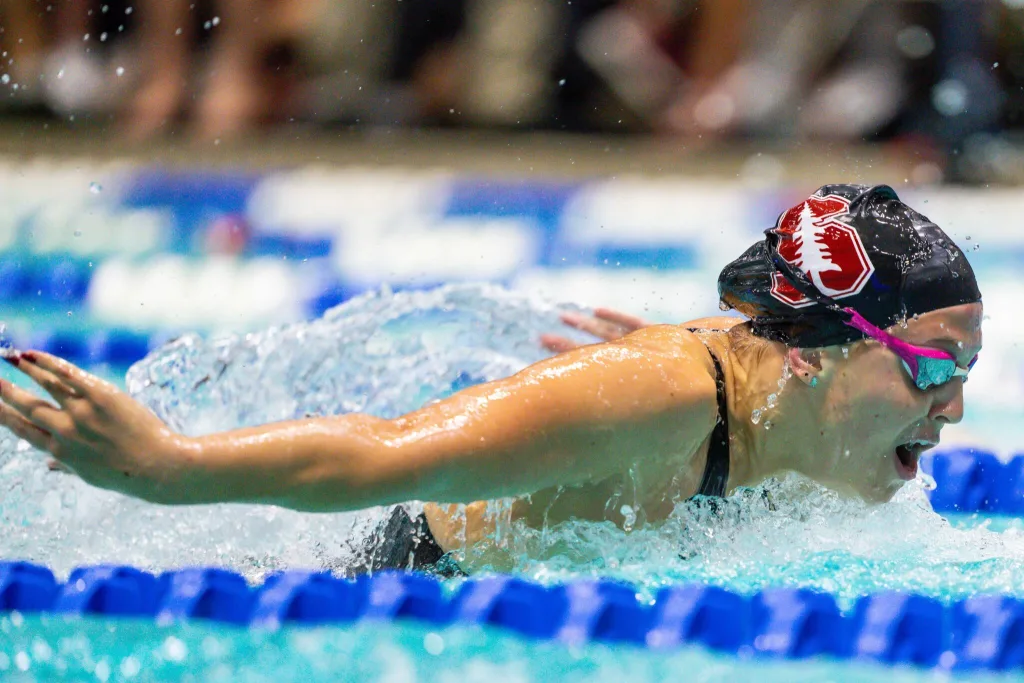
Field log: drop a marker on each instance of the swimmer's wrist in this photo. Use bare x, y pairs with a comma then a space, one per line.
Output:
174, 475
201, 472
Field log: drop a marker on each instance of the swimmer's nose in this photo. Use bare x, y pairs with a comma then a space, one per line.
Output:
948, 403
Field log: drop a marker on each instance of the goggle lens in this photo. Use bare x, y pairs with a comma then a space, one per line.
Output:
934, 372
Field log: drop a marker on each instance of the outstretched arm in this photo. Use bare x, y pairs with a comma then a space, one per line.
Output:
581, 416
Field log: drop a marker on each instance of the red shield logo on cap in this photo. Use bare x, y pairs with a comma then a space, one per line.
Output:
827, 250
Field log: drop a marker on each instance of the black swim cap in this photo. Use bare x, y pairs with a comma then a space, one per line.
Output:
845, 246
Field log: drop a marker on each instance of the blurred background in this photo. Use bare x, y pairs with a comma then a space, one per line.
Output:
225, 165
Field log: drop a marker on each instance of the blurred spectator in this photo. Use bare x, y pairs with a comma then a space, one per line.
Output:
76, 77
848, 70
23, 42
812, 67
237, 90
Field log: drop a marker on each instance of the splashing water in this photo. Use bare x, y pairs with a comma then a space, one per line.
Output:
390, 353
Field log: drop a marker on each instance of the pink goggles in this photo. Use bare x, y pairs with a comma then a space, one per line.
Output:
927, 367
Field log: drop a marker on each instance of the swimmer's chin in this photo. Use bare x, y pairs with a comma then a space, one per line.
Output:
883, 494
876, 495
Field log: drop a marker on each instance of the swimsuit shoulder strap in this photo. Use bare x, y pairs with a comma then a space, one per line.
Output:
716, 467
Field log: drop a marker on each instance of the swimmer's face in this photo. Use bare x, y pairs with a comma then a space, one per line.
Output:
874, 410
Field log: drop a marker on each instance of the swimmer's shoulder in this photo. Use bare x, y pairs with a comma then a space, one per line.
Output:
689, 340
681, 352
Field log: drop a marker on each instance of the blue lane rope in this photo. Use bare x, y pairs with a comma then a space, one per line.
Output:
981, 632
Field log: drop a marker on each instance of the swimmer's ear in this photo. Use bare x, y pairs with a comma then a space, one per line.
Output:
805, 363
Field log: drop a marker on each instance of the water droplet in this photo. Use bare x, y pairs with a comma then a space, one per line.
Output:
207, 25
78, 233
5, 79
85, 37
959, 345
216, 21
629, 517
130, 667
755, 416
119, 71
781, 383
772, 398
950, 97
60, 74
174, 649
95, 188
433, 643
927, 480
767, 424
561, 82
105, 8
846, 352
103, 37
846, 453
968, 238
177, 31
995, 65
128, 10
722, 306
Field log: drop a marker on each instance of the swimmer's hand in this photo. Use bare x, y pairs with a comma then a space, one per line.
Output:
91, 428
605, 324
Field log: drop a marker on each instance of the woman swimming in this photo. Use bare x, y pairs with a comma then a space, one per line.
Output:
863, 321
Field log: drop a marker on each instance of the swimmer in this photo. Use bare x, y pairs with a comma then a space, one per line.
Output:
861, 320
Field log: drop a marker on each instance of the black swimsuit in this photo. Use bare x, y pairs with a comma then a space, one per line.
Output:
407, 543
716, 467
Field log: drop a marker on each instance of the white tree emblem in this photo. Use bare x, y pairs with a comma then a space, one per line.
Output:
828, 250
815, 256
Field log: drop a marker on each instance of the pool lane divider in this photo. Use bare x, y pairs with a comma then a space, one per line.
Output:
981, 632
970, 480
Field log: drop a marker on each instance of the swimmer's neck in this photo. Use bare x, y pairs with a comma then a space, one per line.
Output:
785, 438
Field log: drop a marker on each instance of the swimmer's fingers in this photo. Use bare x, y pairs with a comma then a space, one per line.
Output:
630, 323
556, 343
23, 429
60, 391
599, 327
71, 376
37, 411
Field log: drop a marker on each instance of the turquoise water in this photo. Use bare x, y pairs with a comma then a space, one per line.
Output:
36, 648
388, 354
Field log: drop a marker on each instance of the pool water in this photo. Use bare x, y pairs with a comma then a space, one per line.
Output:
387, 354
34, 648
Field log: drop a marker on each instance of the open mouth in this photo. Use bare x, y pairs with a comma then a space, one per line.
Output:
907, 456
